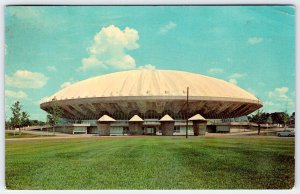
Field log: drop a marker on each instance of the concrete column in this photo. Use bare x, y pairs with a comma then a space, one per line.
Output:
135, 125
196, 128
103, 128
135, 128
199, 127
167, 128
199, 124
103, 125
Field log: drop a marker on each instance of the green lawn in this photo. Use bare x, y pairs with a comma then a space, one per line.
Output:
11, 134
151, 163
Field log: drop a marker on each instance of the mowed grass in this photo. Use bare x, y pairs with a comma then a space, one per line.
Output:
151, 163
11, 134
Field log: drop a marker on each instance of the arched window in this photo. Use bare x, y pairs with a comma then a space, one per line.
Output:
169, 112
101, 113
134, 112
119, 115
151, 114
182, 115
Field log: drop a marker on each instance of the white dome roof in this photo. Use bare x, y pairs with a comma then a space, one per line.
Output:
163, 83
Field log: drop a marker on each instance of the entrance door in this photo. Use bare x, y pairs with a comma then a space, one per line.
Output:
150, 130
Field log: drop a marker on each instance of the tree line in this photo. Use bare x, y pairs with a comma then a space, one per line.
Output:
21, 119
283, 118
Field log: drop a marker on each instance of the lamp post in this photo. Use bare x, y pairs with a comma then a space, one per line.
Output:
187, 108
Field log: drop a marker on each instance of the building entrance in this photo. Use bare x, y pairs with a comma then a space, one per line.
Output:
150, 130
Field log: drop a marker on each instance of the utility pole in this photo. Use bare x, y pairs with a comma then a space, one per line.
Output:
187, 114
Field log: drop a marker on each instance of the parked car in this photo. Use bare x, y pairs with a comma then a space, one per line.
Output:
286, 133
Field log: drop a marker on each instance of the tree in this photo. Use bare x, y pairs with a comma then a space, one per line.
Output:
24, 119
259, 118
276, 118
15, 120
54, 114
7, 124
292, 119
36, 123
280, 118
286, 119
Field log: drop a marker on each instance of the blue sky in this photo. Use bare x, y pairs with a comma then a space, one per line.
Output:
48, 48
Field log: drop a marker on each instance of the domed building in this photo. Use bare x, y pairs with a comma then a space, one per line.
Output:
148, 95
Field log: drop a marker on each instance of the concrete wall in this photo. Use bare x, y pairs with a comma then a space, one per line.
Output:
69, 129
167, 128
63, 129
202, 129
211, 128
79, 129
114, 130
199, 128
136, 128
139, 129
103, 129
222, 129
231, 128
93, 130
150, 130
183, 129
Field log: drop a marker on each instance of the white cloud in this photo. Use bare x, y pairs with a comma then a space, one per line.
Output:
237, 75
65, 84
233, 78
255, 40
215, 70
280, 100
282, 90
109, 49
16, 95
51, 68
91, 63
148, 66
233, 81
26, 79
268, 103
279, 93
164, 29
